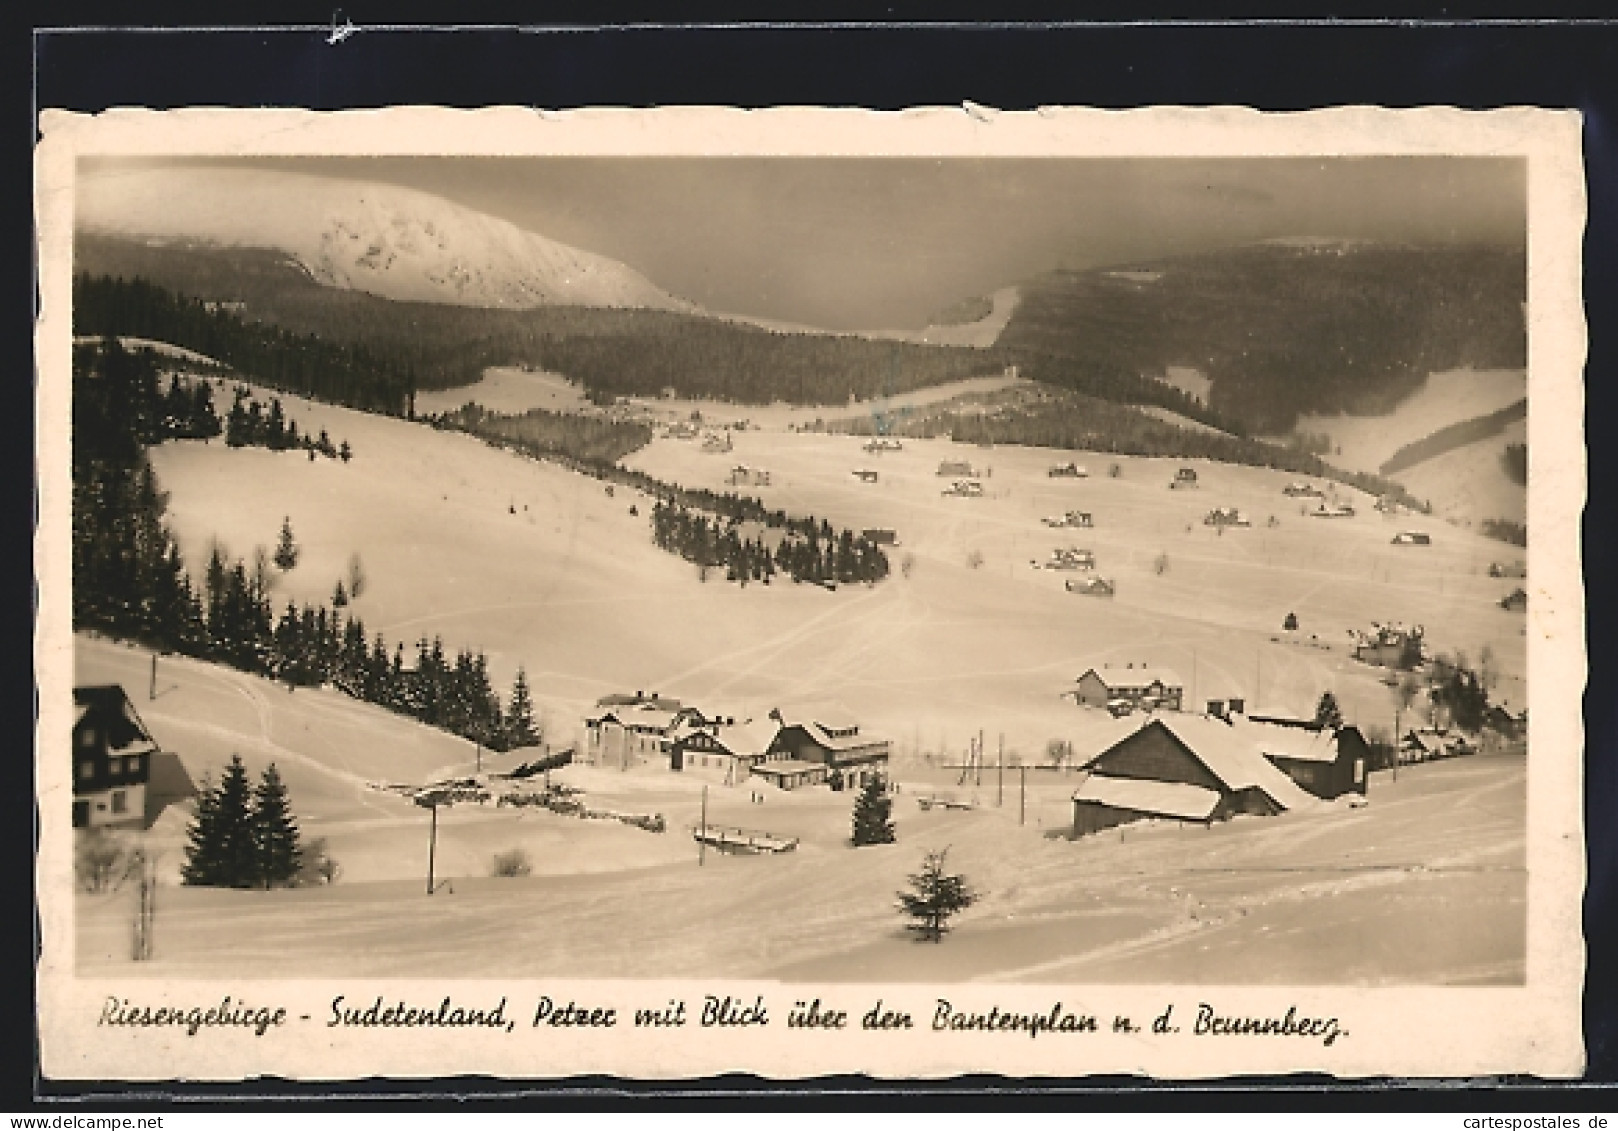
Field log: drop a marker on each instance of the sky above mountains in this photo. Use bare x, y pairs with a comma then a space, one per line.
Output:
848, 244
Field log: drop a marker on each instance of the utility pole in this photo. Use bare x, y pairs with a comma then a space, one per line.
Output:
151, 688
702, 829
1022, 797
979, 760
432, 847
1000, 774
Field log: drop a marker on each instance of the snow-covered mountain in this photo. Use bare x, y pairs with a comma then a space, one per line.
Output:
385, 240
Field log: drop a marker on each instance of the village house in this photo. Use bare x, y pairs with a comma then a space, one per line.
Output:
1412, 538
626, 728
1182, 768
1139, 687
729, 750
1325, 762
955, 467
1390, 645
120, 776
1091, 586
1185, 477
814, 743
744, 476
1428, 744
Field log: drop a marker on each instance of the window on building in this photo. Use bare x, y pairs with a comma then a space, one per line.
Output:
87, 770
87, 737
120, 801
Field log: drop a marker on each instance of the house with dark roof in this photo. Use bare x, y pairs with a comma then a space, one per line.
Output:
1184, 768
824, 736
121, 779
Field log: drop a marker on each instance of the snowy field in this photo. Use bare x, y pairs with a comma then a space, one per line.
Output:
541, 567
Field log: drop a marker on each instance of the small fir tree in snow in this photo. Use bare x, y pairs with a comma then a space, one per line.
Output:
339, 596
935, 897
873, 814
286, 551
1327, 713
520, 729
275, 832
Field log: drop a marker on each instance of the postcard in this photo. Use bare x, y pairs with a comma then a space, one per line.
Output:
663, 593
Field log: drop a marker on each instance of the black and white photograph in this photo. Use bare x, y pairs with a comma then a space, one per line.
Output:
817, 576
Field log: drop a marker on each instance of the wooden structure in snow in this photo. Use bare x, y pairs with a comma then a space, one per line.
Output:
1067, 471
742, 841
1412, 538
1183, 478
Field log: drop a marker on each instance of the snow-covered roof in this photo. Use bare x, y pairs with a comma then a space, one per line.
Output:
1289, 742
1137, 677
749, 739
1232, 758
1168, 798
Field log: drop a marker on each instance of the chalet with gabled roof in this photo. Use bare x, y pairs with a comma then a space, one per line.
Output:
1139, 686
1183, 768
828, 737
121, 778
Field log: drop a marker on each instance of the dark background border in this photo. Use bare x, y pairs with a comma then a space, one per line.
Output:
874, 60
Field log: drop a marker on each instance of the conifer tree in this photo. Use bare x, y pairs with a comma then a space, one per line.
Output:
935, 897
275, 833
221, 850
1327, 713
873, 814
286, 551
520, 729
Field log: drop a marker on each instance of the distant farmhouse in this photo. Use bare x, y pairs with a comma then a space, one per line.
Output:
1390, 645
1067, 471
880, 536
1412, 538
956, 467
1300, 489
744, 476
1185, 477
1091, 586
1139, 688
120, 776
1515, 601
789, 748
1184, 768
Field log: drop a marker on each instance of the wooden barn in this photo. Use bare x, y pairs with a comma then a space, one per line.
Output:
1140, 686
1324, 762
1184, 768
827, 737
120, 776
1185, 477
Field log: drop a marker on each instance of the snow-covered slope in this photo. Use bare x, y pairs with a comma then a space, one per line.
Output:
385, 240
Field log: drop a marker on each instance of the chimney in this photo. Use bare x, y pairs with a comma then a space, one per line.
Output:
1238, 706
1216, 708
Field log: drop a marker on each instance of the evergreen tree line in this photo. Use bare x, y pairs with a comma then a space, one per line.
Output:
248, 425
809, 552
130, 581
354, 375
590, 439
243, 836
813, 551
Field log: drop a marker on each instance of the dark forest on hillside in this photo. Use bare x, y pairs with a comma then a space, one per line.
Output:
1285, 330
130, 581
